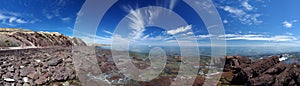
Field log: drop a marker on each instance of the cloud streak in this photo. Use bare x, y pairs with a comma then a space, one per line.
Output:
107, 32
245, 37
180, 30
278, 38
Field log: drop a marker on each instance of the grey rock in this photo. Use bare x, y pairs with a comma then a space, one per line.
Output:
26, 71
8, 80
39, 81
55, 61
11, 69
26, 84
33, 76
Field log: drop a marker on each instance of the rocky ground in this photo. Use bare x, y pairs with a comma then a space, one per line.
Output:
55, 66
29, 67
264, 72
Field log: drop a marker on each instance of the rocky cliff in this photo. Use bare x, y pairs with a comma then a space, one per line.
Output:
10, 37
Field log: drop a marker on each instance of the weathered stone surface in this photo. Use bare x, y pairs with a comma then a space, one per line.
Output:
55, 61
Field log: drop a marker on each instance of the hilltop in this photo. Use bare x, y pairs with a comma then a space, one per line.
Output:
14, 37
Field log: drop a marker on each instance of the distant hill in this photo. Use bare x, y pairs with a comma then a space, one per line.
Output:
14, 37
98, 44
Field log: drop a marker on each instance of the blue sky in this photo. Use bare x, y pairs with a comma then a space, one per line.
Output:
246, 22
40, 15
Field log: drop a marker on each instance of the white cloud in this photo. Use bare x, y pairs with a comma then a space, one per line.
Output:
170, 41
180, 30
91, 39
12, 20
61, 2
225, 21
199, 37
243, 16
284, 38
65, 19
105, 31
288, 33
245, 13
288, 24
139, 19
278, 38
145, 37
21, 21
236, 11
246, 5
189, 33
182, 42
238, 35
2, 16
249, 37
48, 16
56, 9
250, 19
172, 4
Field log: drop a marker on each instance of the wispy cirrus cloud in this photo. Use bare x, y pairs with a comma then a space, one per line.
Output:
137, 23
139, 19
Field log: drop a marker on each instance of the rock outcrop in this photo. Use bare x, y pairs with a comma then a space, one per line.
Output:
266, 72
24, 38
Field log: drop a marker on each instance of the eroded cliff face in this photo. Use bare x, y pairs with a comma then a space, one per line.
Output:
24, 38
